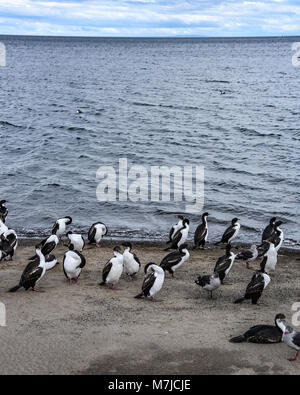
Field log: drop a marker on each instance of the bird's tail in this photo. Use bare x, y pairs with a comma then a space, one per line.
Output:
101, 284
238, 339
217, 243
167, 249
139, 296
240, 300
15, 289
32, 258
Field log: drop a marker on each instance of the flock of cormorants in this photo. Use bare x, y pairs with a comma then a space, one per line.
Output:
127, 261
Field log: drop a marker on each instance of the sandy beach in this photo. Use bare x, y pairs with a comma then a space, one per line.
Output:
87, 329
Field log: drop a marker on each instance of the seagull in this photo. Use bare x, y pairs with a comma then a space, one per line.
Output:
248, 255
209, 283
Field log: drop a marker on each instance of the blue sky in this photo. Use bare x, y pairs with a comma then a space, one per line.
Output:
150, 17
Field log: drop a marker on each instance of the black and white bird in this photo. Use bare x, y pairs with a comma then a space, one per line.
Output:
201, 233
73, 264
231, 232
224, 263
3, 227
175, 228
59, 228
269, 261
269, 231
131, 262
9, 243
3, 210
180, 236
209, 283
292, 339
278, 237
33, 273
153, 281
96, 232
260, 280
76, 241
174, 260
48, 245
113, 269
248, 255
51, 261
262, 334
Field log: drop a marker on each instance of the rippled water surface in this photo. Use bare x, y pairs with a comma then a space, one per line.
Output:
156, 102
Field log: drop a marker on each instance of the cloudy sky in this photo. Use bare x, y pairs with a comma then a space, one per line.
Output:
208, 18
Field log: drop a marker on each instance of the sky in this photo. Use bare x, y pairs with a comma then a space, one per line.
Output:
151, 18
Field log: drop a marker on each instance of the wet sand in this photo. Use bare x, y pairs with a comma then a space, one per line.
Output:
87, 329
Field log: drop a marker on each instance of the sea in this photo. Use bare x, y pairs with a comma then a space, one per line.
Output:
70, 106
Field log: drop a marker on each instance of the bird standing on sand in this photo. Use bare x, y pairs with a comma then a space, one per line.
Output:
3, 210
76, 241
248, 255
33, 273
153, 281
9, 243
201, 233
254, 290
131, 262
73, 263
175, 228
269, 261
59, 227
181, 235
231, 232
262, 334
209, 283
224, 264
292, 339
113, 269
96, 232
174, 260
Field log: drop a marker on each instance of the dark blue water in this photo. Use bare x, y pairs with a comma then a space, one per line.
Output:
156, 102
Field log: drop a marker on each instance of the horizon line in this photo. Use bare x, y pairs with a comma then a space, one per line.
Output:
146, 37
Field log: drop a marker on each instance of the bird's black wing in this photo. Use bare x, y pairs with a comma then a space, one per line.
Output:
83, 260
106, 270
256, 285
200, 234
49, 247
177, 238
222, 264
137, 259
171, 260
148, 283
263, 334
263, 249
92, 233
31, 274
229, 232
245, 254
171, 233
55, 228
267, 233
